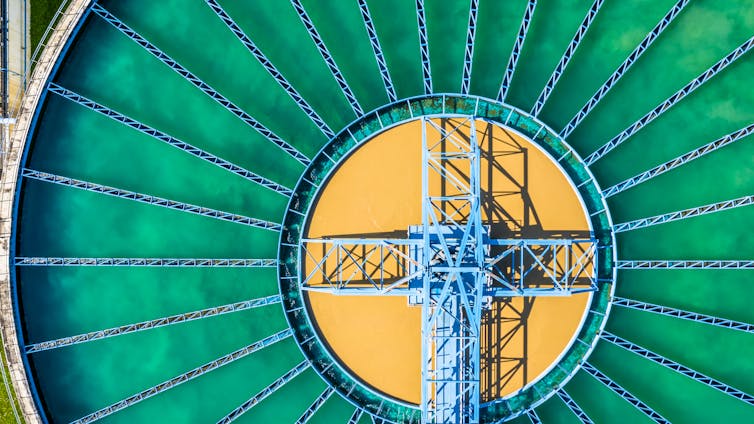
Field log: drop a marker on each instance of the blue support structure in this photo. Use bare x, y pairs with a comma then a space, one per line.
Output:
679, 161
160, 262
327, 57
510, 68
697, 264
270, 68
680, 313
190, 375
356, 416
671, 101
421, 18
150, 200
675, 366
267, 391
625, 394
314, 407
155, 323
686, 213
533, 417
468, 58
624, 67
574, 407
194, 151
198, 83
566, 58
377, 49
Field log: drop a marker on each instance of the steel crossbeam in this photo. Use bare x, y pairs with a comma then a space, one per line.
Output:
266, 392
625, 394
686, 213
696, 264
270, 67
155, 323
468, 57
198, 83
356, 416
327, 57
574, 407
624, 67
150, 200
671, 101
421, 18
566, 57
510, 68
145, 129
675, 366
314, 407
680, 313
190, 375
679, 161
533, 417
387, 81
150, 262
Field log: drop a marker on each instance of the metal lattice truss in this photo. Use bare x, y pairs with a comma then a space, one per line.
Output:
698, 264
387, 81
161, 262
574, 407
510, 68
421, 19
316, 404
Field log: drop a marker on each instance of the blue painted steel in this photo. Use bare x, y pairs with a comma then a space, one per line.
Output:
190, 375
194, 151
270, 68
421, 19
356, 416
624, 67
193, 79
516, 53
316, 404
161, 262
468, 57
533, 417
377, 49
151, 200
698, 264
574, 407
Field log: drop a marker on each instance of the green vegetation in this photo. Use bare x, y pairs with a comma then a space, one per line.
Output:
42, 12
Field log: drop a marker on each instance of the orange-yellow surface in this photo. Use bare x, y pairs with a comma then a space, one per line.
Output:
378, 190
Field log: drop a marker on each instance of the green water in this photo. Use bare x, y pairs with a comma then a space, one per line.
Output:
107, 67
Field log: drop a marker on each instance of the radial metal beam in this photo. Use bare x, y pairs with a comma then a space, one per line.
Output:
356, 416
190, 375
198, 83
686, 213
270, 68
533, 417
155, 323
468, 58
314, 407
145, 129
624, 67
150, 262
679, 161
574, 407
516, 53
680, 313
699, 264
377, 49
675, 366
151, 200
566, 57
671, 101
267, 391
327, 57
625, 394
421, 19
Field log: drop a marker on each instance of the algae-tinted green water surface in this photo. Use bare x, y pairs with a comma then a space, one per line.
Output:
107, 66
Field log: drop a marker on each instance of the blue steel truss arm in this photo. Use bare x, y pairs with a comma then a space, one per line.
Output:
421, 19
566, 58
671, 101
356, 416
196, 152
155, 323
623, 68
625, 394
675, 366
150, 200
679, 161
533, 417
510, 68
327, 57
468, 58
697, 264
190, 375
387, 81
270, 68
264, 393
574, 407
680, 313
198, 83
686, 213
161, 262
316, 404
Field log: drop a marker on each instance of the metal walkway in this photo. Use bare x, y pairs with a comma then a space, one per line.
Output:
156, 262
468, 57
421, 19
510, 68
316, 404
698, 264
574, 407
374, 40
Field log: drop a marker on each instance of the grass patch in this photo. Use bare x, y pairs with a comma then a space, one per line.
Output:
42, 11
